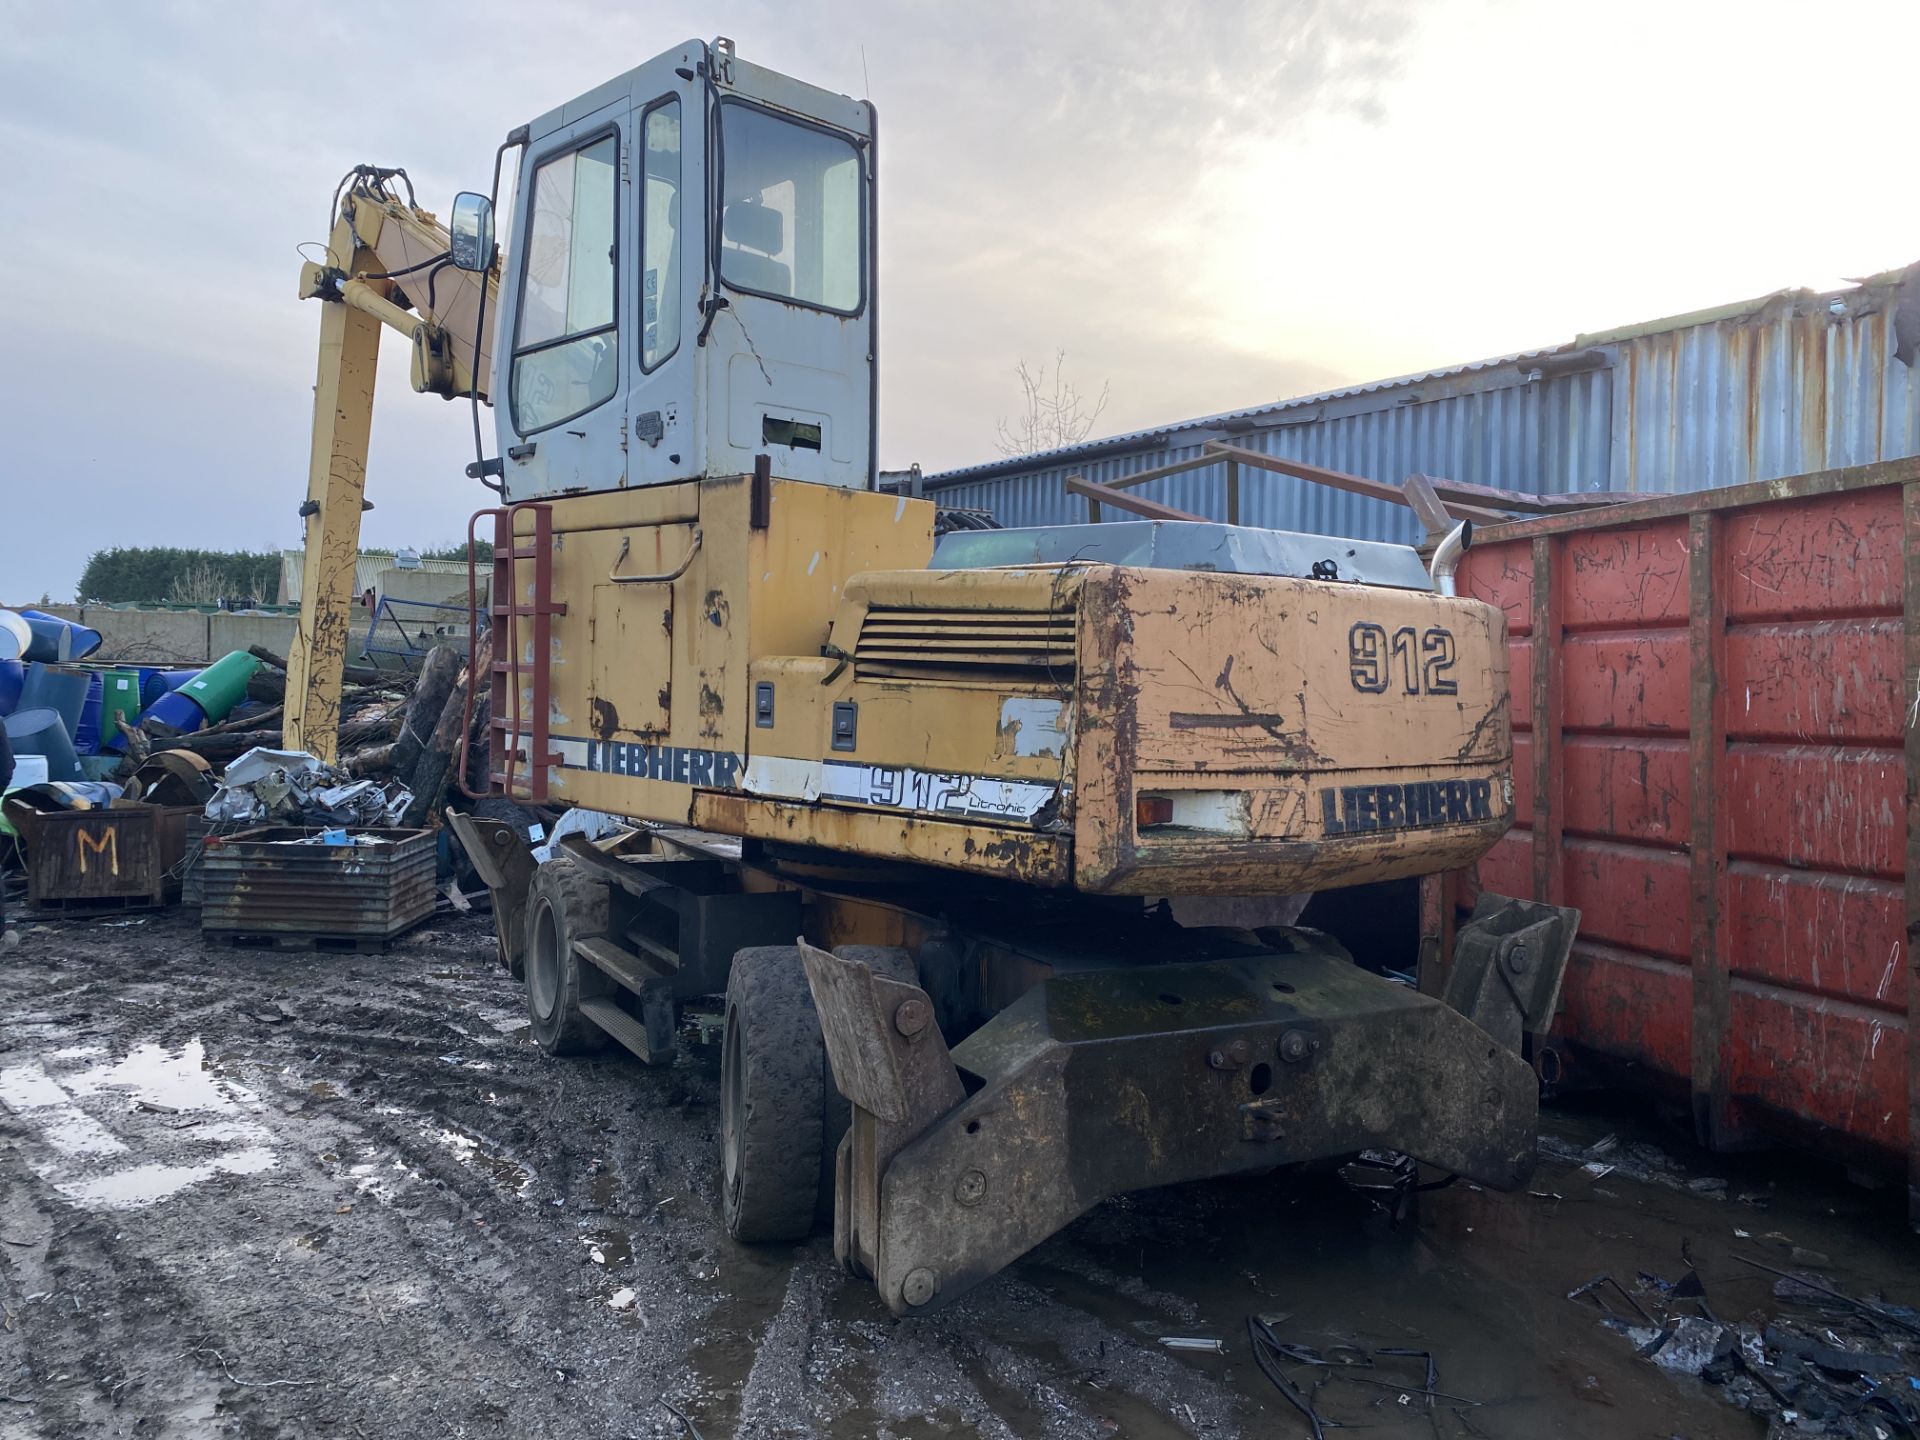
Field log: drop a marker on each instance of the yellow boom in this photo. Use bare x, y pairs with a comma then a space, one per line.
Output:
385, 265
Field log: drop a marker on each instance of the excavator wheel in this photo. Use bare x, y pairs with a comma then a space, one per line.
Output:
566, 904
774, 1086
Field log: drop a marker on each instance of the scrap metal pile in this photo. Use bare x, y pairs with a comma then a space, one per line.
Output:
291, 787
1828, 1363
126, 774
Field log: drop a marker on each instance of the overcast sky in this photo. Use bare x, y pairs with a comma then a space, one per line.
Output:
1206, 206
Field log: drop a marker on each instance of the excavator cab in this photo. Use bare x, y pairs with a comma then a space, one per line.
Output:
690, 282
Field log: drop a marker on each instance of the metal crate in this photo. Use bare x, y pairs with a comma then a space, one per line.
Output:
199, 831
259, 889
124, 857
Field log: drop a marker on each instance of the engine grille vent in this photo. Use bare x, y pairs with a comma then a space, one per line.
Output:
1017, 646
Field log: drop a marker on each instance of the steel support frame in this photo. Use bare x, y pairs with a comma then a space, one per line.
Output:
1710, 955
1546, 708
1910, 593
1104, 1081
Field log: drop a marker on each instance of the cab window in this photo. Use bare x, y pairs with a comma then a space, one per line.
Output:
790, 216
660, 240
565, 357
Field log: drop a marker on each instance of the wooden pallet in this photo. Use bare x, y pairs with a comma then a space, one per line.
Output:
78, 907
273, 940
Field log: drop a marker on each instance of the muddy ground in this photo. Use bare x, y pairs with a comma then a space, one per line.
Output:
265, 1194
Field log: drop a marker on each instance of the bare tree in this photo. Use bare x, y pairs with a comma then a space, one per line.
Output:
1053, 411
200, 583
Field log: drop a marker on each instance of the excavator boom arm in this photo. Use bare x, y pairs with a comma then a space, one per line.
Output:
386, 264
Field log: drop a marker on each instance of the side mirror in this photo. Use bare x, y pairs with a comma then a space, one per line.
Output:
472, 232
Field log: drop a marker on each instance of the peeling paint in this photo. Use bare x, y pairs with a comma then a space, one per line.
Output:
1033, 726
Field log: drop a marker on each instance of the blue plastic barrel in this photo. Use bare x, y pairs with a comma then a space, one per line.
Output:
42, 732
13, 675
82, 640
61, 690
175, 713
52, 642
15, 635
86, 731
155, 683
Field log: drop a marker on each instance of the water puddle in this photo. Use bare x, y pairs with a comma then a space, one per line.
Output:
122, 1133
611, 1248
140, 1185
376, 1177
158, 1077
36, 1097
604, 1190
1478, 1279
507, 1173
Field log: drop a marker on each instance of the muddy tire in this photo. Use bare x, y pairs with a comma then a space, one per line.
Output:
566, 904
773, 1089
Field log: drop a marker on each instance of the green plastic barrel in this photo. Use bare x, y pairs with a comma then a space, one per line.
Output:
222, 685
119, 699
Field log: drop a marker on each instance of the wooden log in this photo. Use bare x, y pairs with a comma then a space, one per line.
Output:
356, 674
244, 722
438, 676
139, 744
437, 765
374, 760
234, 743
479, 760
270, 686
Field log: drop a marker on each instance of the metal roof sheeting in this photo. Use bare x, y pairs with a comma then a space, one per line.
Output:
1781, 385
367, 571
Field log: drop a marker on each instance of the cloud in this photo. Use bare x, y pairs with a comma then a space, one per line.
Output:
1205, 205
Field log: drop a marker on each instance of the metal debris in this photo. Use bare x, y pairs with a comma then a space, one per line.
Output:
293, 787
1596, 1288
1343, 1362
1857, 1377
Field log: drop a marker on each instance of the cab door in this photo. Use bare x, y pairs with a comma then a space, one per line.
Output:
791, 356
668, 189
567, 303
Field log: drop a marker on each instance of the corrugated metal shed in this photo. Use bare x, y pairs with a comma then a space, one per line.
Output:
367, 571
1784, 384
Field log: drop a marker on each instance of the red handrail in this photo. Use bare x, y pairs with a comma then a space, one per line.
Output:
473, 635
504, 603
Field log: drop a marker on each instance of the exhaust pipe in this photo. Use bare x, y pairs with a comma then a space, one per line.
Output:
1446, 556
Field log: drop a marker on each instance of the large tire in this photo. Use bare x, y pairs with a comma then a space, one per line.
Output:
567, 904
773, 1088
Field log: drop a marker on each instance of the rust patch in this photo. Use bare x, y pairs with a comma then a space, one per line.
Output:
711, 704
1020, 857
716, 607
606, 719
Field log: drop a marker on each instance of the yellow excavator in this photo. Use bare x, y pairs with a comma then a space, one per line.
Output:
939, 815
